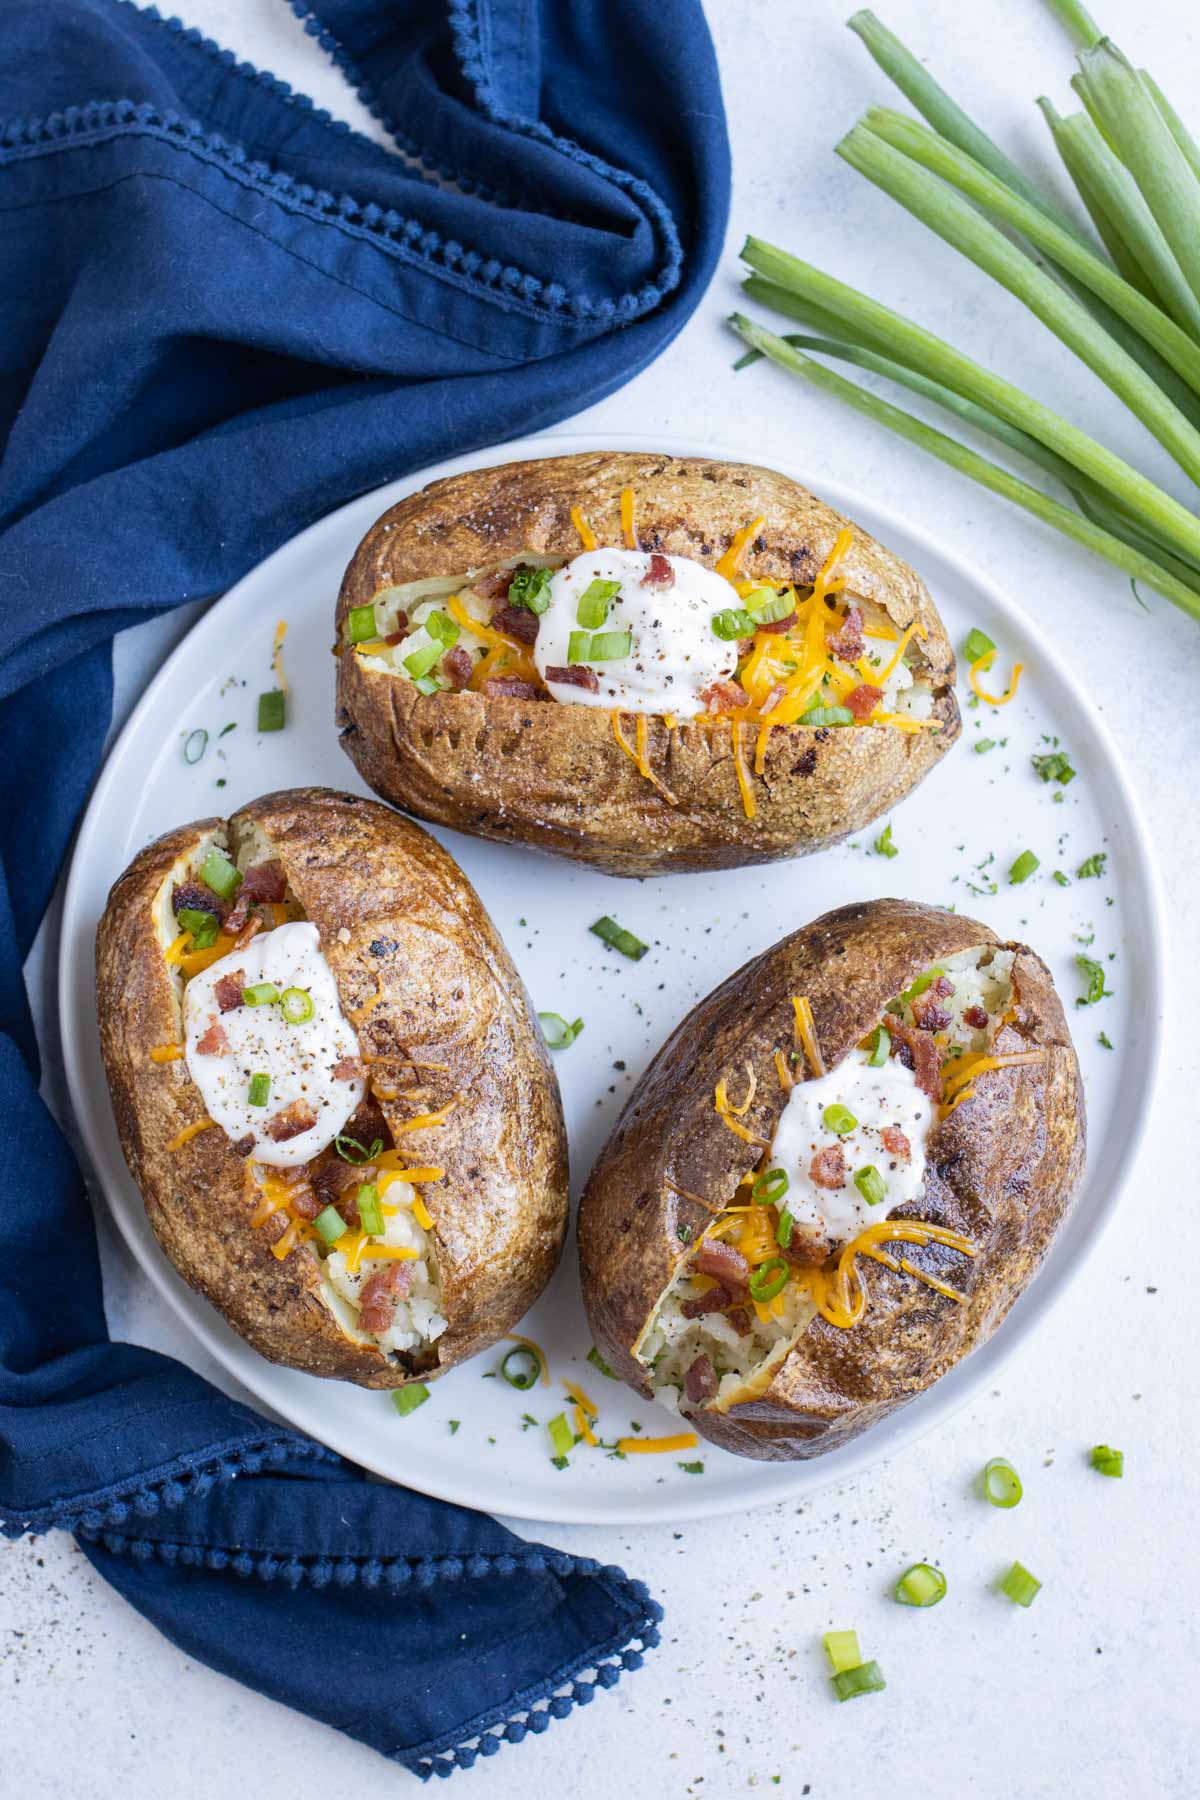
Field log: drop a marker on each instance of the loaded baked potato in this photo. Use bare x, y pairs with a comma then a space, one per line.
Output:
330, 1087
835, 1178
643, 662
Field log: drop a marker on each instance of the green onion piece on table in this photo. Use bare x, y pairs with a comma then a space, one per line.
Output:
272, 710
1020, 1586
619, 939
195, 744
866, 1679
841, 1647
521, 1368
562, 1438
1026, 865
1108, 1462
922, 1585
557, 1033
407, 1399
1001, 1483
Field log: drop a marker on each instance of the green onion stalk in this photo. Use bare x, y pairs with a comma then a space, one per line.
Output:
1126, 303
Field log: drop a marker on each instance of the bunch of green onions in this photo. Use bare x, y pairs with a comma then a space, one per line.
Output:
1126, 301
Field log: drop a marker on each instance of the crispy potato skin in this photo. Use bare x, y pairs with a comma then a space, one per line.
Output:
1003, 1168
553, 776
407, 936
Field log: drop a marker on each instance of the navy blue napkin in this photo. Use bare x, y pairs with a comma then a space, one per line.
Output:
221, 315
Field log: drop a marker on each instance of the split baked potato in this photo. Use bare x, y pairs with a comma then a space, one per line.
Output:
834, 1179
643, 662
330, 1087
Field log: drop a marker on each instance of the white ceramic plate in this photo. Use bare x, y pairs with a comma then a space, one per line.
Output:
974, 807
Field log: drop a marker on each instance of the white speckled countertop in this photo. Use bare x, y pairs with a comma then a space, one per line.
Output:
1090, 1692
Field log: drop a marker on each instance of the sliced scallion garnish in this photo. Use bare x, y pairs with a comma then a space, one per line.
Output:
594, 603
922, 1585
840, 1119
841, 1647
259, 1091
770, 1186
521, 1368
329, 1225
370, 1210
296, 1004
530, 588
203, 926
598, 1362
1026, 865
562, 1438
1020, 1586
731, 623
881, 1048
620, 939
419, 662
219, 874
360, 623
262, 993
976, 645
407, 1399
1001, 1483
272, 710
1108, 1462
866, 1679
783, 1231
195, 744
557, 1033
870, 1184
769, 1279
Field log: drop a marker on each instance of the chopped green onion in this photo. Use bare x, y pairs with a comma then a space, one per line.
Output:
354, 1151
562, 1438
530, 588
841, 1647
521, 1368
1020, 1586
1056, 766
984, 744
883, 845
609, 646
370, 1210
296, 1005
1092, 867
598, 1362
329, 1225
557, 1033
195, 744
1096, 989
595, 601
783, 1231
922, 1585
620, 939
453, 1423
770, 1186
259, 1091
828, 715
1001, 1483
441, 626
1108, 1462
881, 1049
976, 646
921, 984
870, 1184
866, 1679
839, 1118
428, 684
203, 926
272, 710
1062, 880
1105, 1041
263, 993
766, 607
361, 623
731, 623
769, 1279
1023, 868
421, 661
219, 874
407, 1399
692, 1468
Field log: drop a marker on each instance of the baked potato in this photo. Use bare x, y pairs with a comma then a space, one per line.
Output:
330, 1088
643, 662
834, 1179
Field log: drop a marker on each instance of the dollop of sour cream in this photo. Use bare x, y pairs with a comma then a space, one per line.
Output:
875, 1098
299, 1059
674, 653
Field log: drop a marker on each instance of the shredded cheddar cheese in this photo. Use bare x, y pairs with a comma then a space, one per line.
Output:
422, 1121
981, 667
587, 536
660, 1446
783, 1072
166, 1053
806, 1034
964, 1069
421, 1212
277, 656
628, 530
749, 803
731, 562
189, 1132
581, 1400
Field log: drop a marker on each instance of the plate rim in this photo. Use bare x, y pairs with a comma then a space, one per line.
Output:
1049, 1285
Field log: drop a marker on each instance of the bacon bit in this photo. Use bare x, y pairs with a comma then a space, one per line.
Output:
848, 643
214, 1042
862, 701
228, 991
576, 676
198, 898
700, 1381
247, 930
895, 1143
828, 1167
918, 1052
943, 986
243, 1146
723, 1262
715, 1300
335, 1183
724, 696
976, 1017
347, 1070
929, 1012
660, 573
776, 627
289, 1123
401, 632
511, 685
264, 881
739, 1318
458, 665
518, 621
382, 1294
494, 586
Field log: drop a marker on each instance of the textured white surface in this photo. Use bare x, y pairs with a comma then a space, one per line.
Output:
1089, 1691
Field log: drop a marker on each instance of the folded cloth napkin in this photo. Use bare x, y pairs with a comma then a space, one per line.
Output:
222, 314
